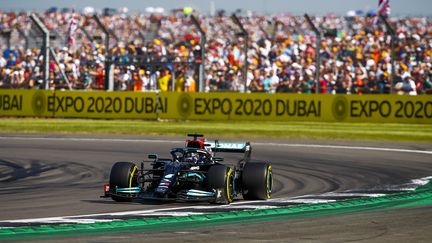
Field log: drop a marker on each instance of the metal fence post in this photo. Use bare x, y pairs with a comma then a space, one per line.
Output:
390, 30
173, 77
202, 46
317, 53
63, 74
139, 29
45, 48
24, 36
86, 34
245, 34
107, 54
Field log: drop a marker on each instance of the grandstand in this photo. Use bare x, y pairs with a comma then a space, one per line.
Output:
271, 54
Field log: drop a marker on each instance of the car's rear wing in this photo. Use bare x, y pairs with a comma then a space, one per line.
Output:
217, 146
225, 147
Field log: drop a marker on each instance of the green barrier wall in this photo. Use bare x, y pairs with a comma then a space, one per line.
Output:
217, 106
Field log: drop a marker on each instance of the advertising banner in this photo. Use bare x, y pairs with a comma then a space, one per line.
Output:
217, 106
299, 107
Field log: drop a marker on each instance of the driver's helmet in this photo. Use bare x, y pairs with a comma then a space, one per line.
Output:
194, 157
191, 157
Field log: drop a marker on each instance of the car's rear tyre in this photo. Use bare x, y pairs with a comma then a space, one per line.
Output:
122, 176
221, 178
257, 181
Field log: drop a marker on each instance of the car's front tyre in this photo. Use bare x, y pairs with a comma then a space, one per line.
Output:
122, 176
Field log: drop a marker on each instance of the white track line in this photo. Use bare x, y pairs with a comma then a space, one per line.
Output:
255, 143
345, 194
91, 139
347, 147
78, 218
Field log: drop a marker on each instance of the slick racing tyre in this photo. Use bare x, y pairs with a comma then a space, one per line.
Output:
221, 178
257, 181
122, 176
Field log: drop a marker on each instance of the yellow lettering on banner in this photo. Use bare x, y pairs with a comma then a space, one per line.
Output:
235, 106
388, 108
101, 104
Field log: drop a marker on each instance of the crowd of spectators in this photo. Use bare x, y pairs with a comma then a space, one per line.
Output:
149, 53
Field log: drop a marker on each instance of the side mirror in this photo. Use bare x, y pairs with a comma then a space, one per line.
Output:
153, 156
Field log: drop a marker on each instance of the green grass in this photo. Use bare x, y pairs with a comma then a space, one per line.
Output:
314, 130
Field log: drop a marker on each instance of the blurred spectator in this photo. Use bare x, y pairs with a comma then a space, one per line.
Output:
407, 86
163, 52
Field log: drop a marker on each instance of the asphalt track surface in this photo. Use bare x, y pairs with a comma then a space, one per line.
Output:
59, 175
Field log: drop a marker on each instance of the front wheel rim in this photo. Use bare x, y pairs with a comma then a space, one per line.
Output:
230, 185
269, 182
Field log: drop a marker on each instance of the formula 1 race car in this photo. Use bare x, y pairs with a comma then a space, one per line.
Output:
193, 173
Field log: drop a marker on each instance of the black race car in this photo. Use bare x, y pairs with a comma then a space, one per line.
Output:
193, 173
